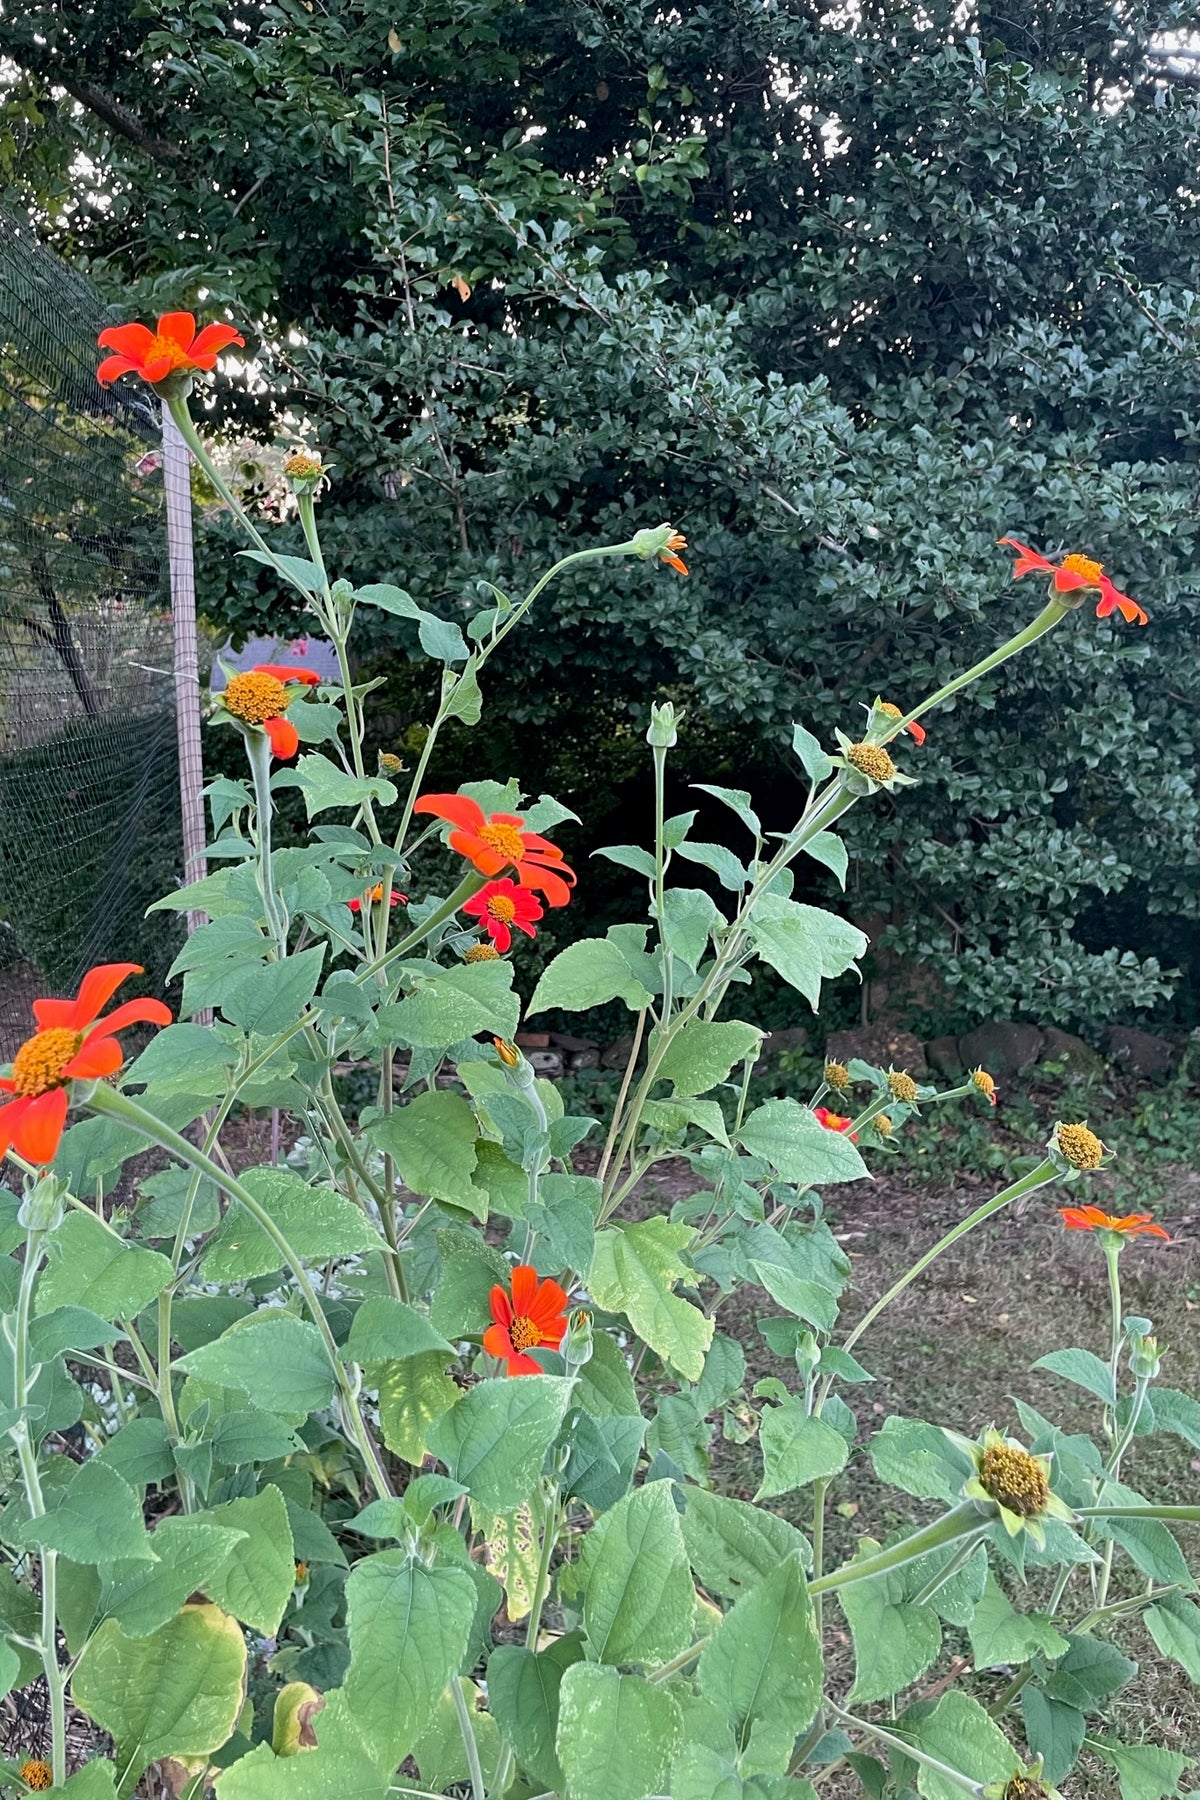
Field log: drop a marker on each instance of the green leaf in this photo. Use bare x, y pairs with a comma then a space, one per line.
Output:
10, 1669
638, 1598
617, 1734
1053, 1730
794, 1142
703, 1053
175, 1693
1144, 1771
1083, 1368
495, 1439
1177, 1413
385, 1329
588, 973
270, 998
691, 915
249, 1436
629, 856
191, 1058
732, 1545
798, 1448
95, 1781
413, 1395
723, 863
275, 1358
450, 1005
602, 1456
433, 1142
1174, 1624
439, 1752
69, 1328
94, 1518
93, 1269
894, 1641
256, 1580
827, 848
408, 1627
523, 1693
324, 784
297, 569
918, 1459
460, 1297
817, 765
959, 1732
804, 944
634, 1271
1089, 1673
319, 1224
764, 1662
142, 1596
1000, 1635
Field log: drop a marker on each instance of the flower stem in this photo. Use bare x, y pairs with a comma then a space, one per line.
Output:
954, 1776
1051, 614
960, 1522
258, 750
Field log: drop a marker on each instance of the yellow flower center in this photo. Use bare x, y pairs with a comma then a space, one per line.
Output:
39, 1063
482, 953
903, 1086
502, 907
301, 1572
524, 1333
1014, 1479
505, 840
37, 1775
1026, 1787
1080, 1146
883, 1125
168, 347
375, 894
255, 697
983, 1082
1083, 565
872, 760
303, 468
837, 1075
887, 706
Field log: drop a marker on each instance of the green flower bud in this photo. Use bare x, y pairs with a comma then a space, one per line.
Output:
42, 1207
663, 733
576, 1347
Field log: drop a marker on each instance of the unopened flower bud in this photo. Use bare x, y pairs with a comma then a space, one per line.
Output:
1145, 1358
41, 1209
663, 733
576, 1347
388, 764
508, 1053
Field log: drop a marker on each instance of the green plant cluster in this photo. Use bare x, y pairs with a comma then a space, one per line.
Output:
845, 297
282, 1443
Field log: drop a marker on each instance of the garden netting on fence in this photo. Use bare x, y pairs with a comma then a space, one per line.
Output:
89, 807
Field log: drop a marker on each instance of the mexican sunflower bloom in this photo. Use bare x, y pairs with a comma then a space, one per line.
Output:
501, 905
1075, 572
374, 897
834, 1121
916, 731
262, 695
534, 1314
675, 543
37, 1774
496, 841
176, 346
73, 1043
1090, 1218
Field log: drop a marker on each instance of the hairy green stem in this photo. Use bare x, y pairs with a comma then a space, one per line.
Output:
258, 750
954, 1776
470, 1741
962, 1521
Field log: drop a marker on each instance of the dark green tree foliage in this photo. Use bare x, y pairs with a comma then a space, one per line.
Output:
846, 293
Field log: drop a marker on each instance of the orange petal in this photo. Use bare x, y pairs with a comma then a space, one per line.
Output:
11, 1115
1027, 560
213, 339
180, 327
456, 809
502, 1310
524, 1365
112, 368
285, 739
916, 732
524, 1290
135, 1012
283, 672
96, 990
100, 1056
547, 1304
132, 341
484, 858
39, 1130
497, 1342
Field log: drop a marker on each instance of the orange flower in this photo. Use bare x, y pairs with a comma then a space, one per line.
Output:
915, 731
73, 1044
260, 696
501, 905
496, 841
374, 896
675, 543
1090, 1218
1075, 572
175, 346
834, 1121
534, 1315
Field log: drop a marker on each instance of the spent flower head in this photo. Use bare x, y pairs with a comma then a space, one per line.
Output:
1076, 1149
1013, 1481
837, 1076
902, 1086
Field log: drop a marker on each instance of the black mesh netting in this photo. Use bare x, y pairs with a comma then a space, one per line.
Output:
89, 807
